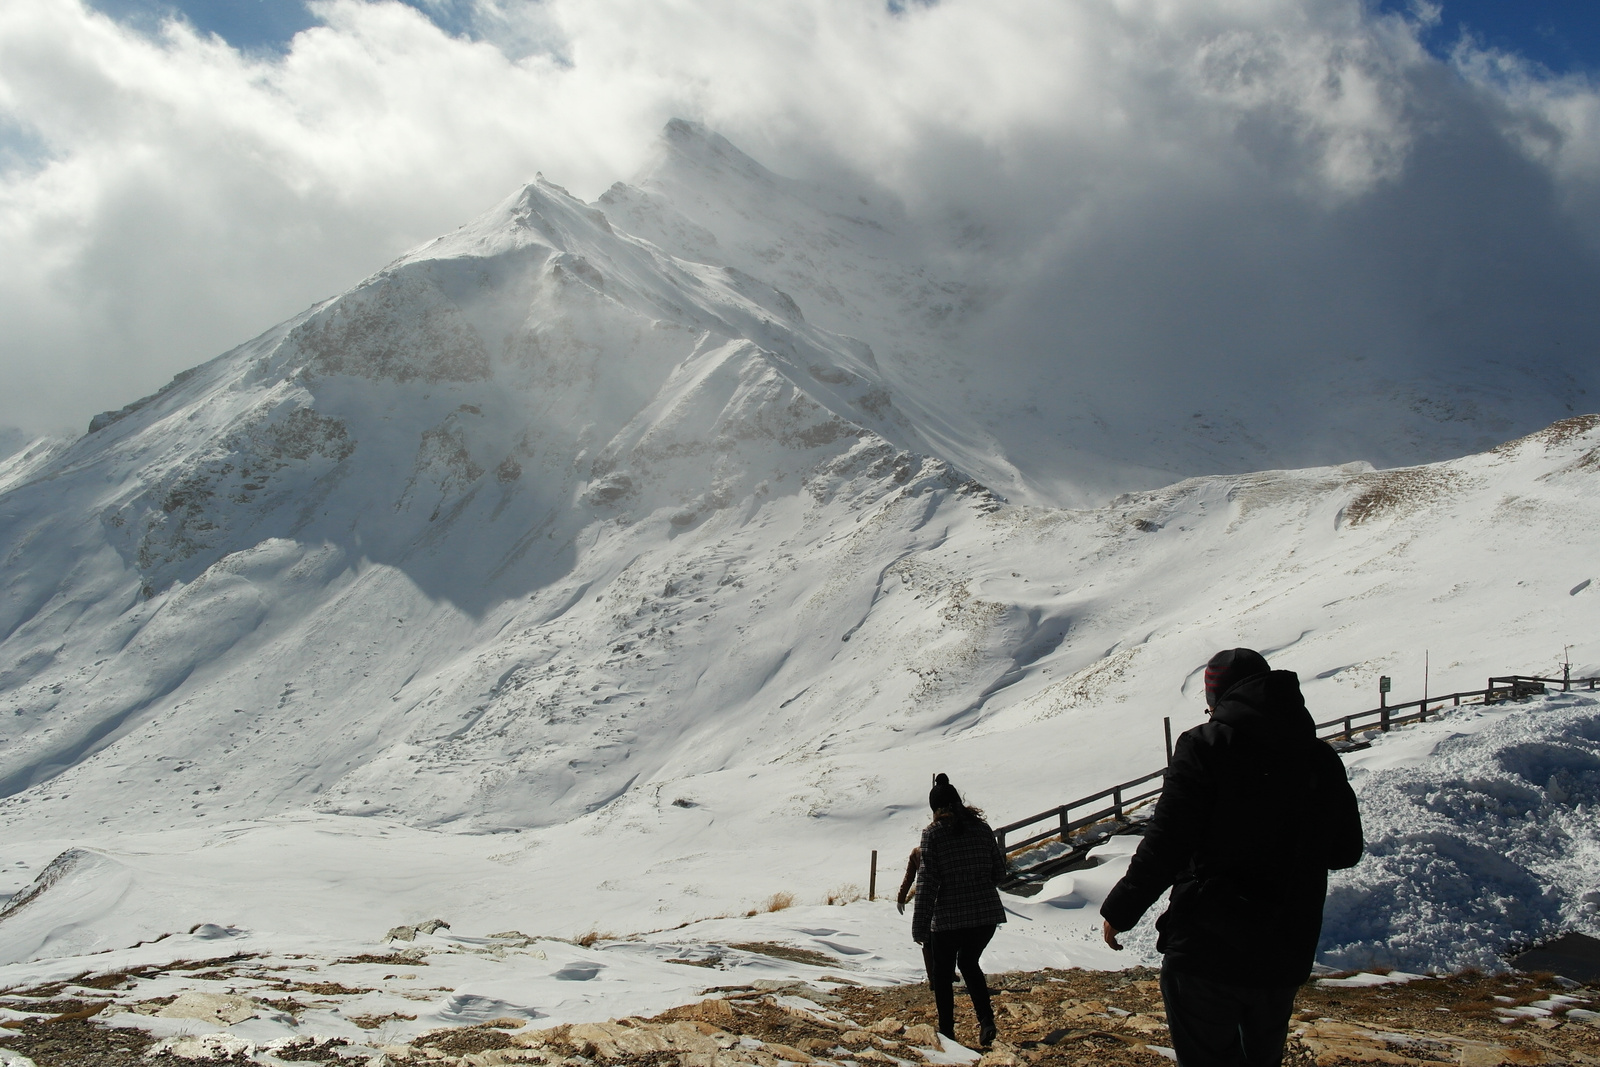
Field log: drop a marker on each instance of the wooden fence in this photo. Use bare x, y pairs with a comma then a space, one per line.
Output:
1079, 825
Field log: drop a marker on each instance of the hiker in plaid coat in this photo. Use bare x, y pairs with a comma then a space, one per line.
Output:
957, 906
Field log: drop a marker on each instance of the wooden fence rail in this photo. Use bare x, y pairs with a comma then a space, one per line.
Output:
1081, 824
1122, 798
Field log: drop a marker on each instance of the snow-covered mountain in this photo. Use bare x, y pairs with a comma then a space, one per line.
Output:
658, 535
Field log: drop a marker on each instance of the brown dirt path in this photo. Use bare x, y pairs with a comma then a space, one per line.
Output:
1071, 1018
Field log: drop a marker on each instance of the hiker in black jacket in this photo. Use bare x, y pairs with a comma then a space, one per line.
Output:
1254, 813
957, 905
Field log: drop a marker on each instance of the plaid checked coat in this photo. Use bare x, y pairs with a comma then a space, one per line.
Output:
956, 884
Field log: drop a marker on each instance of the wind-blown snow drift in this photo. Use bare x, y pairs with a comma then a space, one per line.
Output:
1480, 835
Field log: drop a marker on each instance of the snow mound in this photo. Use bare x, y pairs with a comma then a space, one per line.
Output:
58, 914
1488, 842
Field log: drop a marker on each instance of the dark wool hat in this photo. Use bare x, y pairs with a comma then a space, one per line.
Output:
943, 795
1230, 667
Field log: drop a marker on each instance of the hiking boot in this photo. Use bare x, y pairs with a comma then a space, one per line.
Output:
986, 1034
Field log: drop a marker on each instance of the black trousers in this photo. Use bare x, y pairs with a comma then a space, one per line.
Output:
1215, 1024
946, 950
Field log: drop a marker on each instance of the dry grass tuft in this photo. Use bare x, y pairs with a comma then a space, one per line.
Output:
465, 1040
786, 952
1387, 492
1554, 434
778, 902
587, 940
845, 894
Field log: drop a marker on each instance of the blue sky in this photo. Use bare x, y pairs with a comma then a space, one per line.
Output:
246, 24
1563, 35
255, 24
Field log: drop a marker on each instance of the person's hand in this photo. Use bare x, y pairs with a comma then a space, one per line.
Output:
1109, 932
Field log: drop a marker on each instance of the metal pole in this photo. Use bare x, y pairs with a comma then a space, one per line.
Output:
872, 879
1166, 725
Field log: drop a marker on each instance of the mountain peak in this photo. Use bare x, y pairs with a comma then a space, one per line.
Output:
686, 147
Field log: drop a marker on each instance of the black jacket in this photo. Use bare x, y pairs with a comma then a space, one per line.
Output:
1254, 813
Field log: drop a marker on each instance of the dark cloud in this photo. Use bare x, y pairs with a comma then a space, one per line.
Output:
1438, 311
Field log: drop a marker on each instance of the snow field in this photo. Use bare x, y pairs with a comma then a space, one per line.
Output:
484, 967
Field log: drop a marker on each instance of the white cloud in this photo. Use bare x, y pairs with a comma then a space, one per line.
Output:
189, 197
1289, 150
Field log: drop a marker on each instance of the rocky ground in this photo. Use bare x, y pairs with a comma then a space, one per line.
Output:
1049, 1018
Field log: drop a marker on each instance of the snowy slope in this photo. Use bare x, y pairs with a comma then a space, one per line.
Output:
554, 580
1031, 653
379, 479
